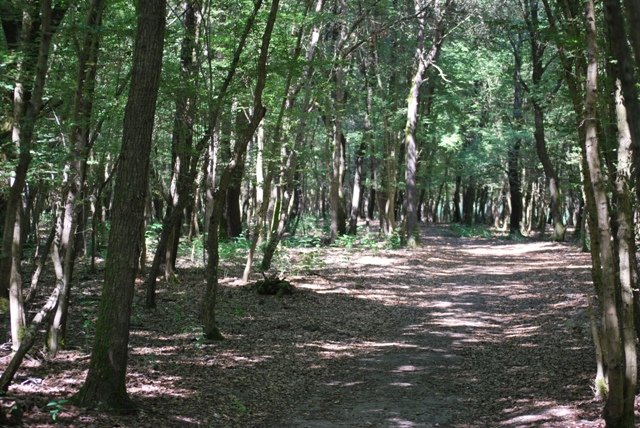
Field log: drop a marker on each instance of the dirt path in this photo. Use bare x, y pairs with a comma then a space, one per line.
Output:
484, 333
457, 333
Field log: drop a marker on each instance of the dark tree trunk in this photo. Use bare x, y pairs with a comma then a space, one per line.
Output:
538, 48
210, 327
514, 189
457, 215
105, 385
626, 72
468, 199
80, 147
514, 150
174, 216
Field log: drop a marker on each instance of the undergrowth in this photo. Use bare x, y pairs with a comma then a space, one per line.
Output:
473, 231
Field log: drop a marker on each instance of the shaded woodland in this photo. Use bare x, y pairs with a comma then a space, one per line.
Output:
137, 136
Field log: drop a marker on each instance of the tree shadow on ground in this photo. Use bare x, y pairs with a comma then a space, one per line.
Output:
459, 332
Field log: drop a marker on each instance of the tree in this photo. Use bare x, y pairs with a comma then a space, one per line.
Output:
80, 146
514, 151
209, 322
422, 61
105, 384
618, 345
538, 47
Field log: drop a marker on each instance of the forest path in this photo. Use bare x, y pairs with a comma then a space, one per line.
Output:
482, 332
460, 332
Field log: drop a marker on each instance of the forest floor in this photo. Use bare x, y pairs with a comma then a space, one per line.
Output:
460, 332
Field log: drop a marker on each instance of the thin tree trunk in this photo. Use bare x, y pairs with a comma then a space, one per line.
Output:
214, 115
210, 327
626, 250
514, 150
79, 146
25, 115
422, 61
537, 53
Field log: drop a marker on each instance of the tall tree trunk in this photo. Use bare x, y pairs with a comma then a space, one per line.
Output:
214, 115
537, 53
337, 202
619, 47
627, 263
457, 214
422, 61
79, 146
514, 151
27, 107
356, 194
284, 177
616, 411
105, 385
210, 327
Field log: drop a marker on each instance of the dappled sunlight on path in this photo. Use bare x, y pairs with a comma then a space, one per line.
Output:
458, 332
484, 333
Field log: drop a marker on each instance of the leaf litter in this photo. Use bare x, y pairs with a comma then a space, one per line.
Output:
460, 332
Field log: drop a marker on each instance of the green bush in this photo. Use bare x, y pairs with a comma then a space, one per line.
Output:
474, 231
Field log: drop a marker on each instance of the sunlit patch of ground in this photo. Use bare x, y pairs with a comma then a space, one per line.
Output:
459, 332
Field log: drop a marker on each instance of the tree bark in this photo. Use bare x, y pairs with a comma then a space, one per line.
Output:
616, 412
27, 107
537, 52
210, 327
626, 250
626, 71
79, 147
422, 61
173, 217
514, 151
105, 386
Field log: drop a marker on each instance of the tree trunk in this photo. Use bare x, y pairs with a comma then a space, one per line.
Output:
626, 68
210, 327
617, 413
359, 156
80, 147
422, 61
457, 214
514, 150
105, 384
626, 250
468, 198
174, 216
27, 106
537, 57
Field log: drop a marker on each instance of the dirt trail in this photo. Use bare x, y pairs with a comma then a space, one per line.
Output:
483, 333
460, 332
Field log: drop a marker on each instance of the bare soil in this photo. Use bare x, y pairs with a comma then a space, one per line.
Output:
460, 332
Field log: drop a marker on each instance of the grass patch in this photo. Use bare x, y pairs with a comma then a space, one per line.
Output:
474, 231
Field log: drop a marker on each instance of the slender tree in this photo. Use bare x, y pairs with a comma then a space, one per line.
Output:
210, 327
423, 60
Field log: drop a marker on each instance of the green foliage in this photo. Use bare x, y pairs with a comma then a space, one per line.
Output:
234, 248
394, 241
346, 241
55, 407
309, 261
474, 231
238, 406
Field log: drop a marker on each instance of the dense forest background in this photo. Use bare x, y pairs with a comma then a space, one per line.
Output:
171, 128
